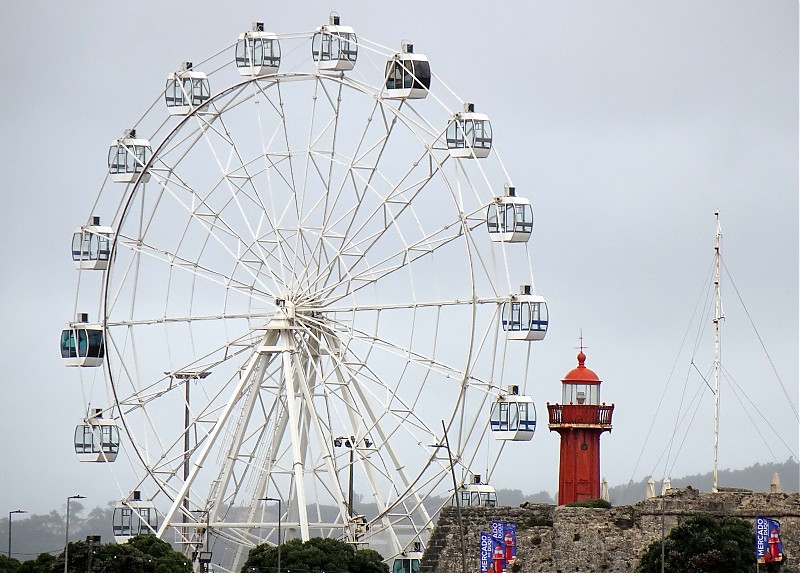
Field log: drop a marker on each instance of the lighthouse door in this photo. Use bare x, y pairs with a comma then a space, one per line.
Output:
583, 490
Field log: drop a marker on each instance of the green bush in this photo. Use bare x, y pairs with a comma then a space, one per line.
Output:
601, 503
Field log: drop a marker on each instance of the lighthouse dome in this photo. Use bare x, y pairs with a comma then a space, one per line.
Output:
581, 374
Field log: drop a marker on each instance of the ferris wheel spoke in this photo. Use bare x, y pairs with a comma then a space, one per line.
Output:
142, 392
351, 282
242, 171
389, 209
328, 201
358, 401
201, 271
361, 185
201, 213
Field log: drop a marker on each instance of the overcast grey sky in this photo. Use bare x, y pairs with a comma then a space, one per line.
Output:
627, 122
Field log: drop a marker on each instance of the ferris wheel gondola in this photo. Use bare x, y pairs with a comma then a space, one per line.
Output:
91, 246
334, 47
258, 52
510, 218
469, 134
97, 438
408, 75
134, 516
186, 90
525, 316
475, 493
83, 344
513, 416
127, 157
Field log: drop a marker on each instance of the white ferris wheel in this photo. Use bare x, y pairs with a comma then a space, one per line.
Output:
305, 264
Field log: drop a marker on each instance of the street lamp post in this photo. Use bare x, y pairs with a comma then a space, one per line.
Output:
10, 513
446, 445
351, 443
66, 535
279, 526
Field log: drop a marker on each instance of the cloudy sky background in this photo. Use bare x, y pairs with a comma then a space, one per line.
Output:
627, 123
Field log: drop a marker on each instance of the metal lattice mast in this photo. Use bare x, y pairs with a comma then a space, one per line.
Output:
717, 317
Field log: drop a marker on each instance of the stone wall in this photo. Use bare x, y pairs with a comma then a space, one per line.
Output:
559, 539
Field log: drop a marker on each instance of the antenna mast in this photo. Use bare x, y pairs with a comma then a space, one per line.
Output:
717, 317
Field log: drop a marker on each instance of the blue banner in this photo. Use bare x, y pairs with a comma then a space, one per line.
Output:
498, 547
486, 551
504, 545
769, 548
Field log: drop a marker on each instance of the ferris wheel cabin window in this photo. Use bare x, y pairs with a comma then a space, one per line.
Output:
258, 52
405, 566
512, 416
87, 246
334, 47
127, 158
408, 75
469, 134
123, 159
250, 52
129, 522
91, 439
186, 90
82, 343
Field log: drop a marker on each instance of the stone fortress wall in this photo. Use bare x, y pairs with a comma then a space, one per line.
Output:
560, 539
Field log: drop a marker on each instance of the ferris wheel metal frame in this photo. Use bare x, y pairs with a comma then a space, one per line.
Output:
287, 306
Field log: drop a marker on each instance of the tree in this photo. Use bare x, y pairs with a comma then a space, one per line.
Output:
44, 563
141, 554
316, 555
703, 544
8, 564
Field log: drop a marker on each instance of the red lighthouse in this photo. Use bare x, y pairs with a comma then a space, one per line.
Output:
580, 420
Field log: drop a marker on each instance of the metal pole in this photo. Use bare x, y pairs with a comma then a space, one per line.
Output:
350, 487
10, 513
186, 445
458, 502
279, 526
66, 535
663, 529
280, 541
717, 317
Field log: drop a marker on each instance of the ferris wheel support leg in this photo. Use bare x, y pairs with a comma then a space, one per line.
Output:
240, 390
312, 415
291, 381
220, 486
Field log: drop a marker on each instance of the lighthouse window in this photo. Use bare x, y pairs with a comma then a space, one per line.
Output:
581, 394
